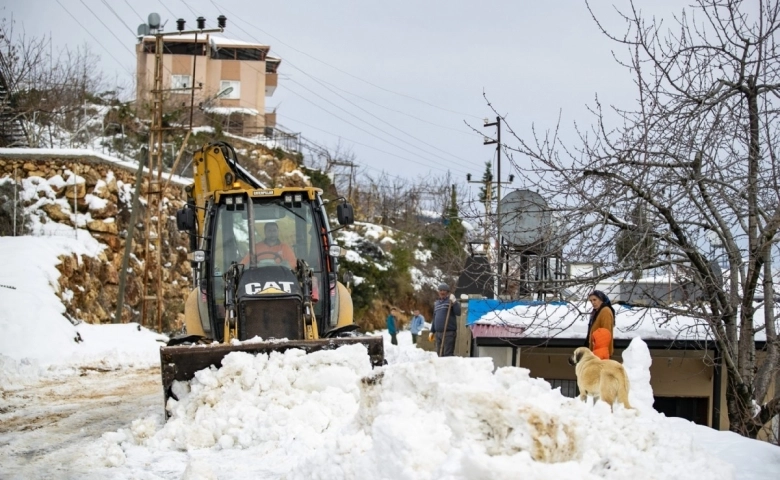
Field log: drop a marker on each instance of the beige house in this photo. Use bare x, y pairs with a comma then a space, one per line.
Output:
688, 378
232, 80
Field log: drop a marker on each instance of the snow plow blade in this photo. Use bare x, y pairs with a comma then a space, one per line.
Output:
181, 362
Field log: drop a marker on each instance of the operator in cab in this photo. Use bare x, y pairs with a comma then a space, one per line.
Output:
271, 248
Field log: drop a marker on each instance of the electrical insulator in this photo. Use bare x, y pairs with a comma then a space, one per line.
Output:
180, 24
201, 23
221, 21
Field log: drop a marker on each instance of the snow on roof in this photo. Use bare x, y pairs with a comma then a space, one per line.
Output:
561, 320
81, 154
212, 39
231, 110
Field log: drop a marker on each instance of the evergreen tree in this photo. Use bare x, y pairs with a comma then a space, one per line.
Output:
487, 179
455, 232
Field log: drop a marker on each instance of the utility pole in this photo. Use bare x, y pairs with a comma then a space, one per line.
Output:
499, 242
488, 182
154, 191
351, 166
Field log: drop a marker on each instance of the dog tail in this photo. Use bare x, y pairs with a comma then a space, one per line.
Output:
623, 390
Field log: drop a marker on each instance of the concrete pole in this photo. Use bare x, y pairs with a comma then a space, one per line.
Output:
497, 141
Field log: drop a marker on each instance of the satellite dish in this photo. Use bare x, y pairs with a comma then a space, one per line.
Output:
143, 30
525, 218
154, 21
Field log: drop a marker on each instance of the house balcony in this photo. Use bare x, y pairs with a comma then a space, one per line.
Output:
270, 119
271, 81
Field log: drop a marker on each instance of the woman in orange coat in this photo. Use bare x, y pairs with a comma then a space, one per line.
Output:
601, 326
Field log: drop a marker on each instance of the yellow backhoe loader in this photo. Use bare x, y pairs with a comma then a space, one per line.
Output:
264, 265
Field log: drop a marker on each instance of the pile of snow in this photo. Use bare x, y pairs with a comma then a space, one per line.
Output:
36, 338
327, 415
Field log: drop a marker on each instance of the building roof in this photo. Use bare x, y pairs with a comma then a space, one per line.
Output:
563, 320
214, 40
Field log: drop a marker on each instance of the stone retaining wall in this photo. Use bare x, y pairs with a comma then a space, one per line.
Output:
102, 191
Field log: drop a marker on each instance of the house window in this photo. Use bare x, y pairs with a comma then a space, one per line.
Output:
235, 84
251, 54
694, 409
181, 81
224, 54
183, 48
568, 387
243, 54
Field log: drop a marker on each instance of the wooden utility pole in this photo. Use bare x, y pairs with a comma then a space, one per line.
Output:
155, 219
351, 166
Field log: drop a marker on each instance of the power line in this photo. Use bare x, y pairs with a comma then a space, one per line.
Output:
98, 42
359, 143
356, 126
188, 8
169, 10
323, 150
106, 26
418, 161
134, 10
345, 72
382, 120
116, 15
463, 132
350, 123
358, 118
314, 146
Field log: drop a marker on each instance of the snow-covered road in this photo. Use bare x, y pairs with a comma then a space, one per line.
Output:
45, 427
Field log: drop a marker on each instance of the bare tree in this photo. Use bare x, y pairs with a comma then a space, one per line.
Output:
48, 87
697, 158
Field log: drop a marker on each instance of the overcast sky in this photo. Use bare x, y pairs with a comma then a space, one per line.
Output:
350, 66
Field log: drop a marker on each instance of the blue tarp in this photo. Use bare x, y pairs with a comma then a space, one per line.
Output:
478, 308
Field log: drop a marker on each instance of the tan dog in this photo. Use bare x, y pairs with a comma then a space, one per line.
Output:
603, 379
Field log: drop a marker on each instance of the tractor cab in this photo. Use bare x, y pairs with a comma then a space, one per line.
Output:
270, 259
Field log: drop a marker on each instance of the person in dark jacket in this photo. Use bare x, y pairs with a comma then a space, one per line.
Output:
392, 324
444, 325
